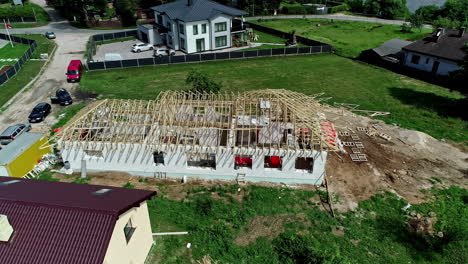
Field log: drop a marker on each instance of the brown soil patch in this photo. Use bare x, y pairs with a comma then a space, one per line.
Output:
267, 226
405, 165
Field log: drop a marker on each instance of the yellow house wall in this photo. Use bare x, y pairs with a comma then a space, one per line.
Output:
137, 249
28, 159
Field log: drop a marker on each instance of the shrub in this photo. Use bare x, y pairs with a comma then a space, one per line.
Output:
202, 83
339, 8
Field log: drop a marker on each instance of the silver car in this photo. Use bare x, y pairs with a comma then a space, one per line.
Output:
13, 132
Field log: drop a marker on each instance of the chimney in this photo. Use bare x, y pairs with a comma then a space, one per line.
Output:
461, 32
6, 230
189, 2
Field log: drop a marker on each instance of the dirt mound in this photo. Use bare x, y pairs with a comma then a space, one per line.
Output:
407, 164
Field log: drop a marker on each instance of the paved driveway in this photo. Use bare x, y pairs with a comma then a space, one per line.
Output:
124, 49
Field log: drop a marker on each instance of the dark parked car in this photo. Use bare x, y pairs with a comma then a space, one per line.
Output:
50, 35
39, 112
61, 97
13, 132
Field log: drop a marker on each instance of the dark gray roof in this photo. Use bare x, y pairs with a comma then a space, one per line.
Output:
198, 10
392, 46
449, 46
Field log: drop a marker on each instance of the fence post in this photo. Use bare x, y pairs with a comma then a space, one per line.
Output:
121, 64
138, 62
321, 48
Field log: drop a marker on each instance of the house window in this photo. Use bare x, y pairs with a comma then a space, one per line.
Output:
195, 29
200, 45
201, 160
415, 59
158, 158
427, 60
182, 43
305, 164
94, 153
181, 29
129, 229
169, 26
243, 161
220, 27
203, 28
160, 21
273, 162
169, 40
221, 41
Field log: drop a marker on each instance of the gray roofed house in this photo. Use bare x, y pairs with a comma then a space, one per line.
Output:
194, 26
438, 53
197, 10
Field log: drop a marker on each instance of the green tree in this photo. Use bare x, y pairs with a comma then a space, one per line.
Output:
416, 21
124, 9
386, 8
428, 13
456, 10
202, 83
100, 5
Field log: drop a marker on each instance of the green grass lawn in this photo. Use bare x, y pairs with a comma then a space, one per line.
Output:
42, 18
293, 228
8, 52
268, 38
29, 71
349, 38
413, 104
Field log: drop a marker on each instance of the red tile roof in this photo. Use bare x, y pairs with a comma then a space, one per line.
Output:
61, 222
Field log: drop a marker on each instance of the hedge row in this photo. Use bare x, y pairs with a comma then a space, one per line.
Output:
298, 10
339, 8
19, 11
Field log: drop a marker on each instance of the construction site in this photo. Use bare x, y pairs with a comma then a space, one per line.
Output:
264, 135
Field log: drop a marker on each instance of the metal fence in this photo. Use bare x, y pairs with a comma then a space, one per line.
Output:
18, 19
8, 74
312, 47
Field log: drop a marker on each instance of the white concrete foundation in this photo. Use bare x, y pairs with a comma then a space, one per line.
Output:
139, 160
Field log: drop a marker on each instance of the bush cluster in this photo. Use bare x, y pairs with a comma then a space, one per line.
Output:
19, 11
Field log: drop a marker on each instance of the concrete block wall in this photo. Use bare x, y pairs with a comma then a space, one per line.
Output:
139, 161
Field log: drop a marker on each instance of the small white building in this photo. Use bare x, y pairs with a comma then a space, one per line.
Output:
438, 53
193, 26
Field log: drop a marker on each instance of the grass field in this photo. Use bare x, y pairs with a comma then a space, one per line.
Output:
7, 52
349, 38
281, 225
29, 71
413, 104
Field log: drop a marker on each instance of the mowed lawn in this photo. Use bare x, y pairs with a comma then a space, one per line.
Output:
412, 103
8, 52
349, 38
29, 70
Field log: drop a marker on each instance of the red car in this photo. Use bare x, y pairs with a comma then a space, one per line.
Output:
74, 71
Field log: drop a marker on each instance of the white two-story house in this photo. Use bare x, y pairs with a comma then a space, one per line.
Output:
193, 26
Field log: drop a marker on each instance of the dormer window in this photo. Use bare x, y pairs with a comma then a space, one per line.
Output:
129, 229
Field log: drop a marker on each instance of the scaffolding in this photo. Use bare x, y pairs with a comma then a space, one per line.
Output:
263, 119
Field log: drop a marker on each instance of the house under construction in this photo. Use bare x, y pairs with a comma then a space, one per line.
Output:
263, 135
